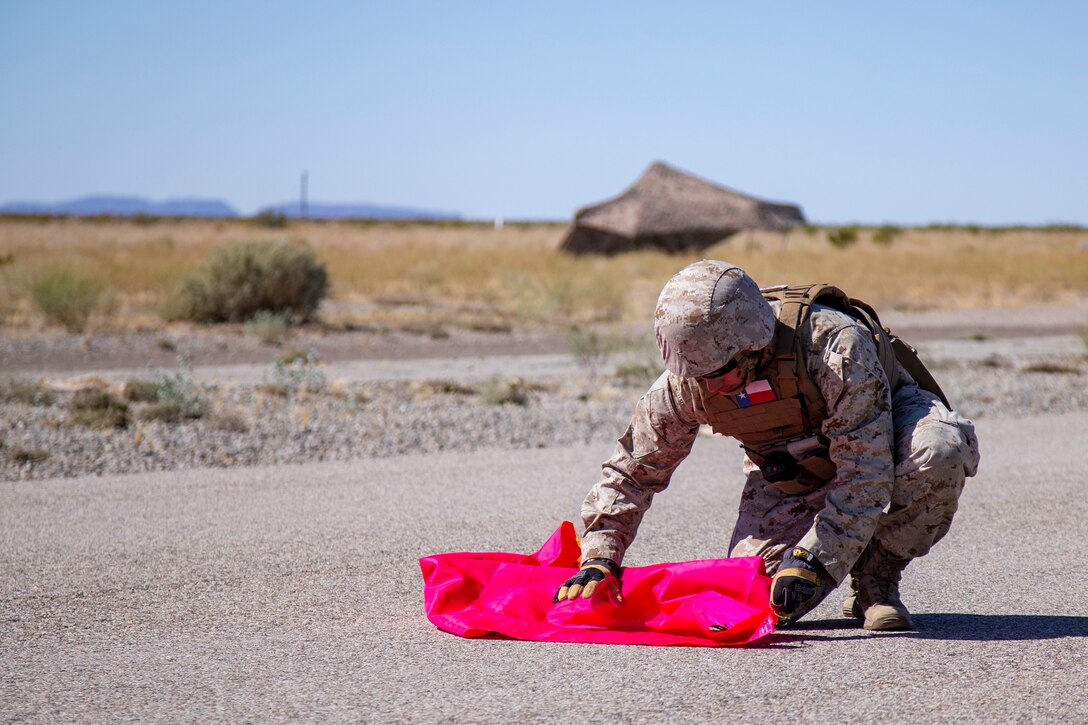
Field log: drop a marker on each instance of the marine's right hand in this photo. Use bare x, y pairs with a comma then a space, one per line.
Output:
796, 582
593, 573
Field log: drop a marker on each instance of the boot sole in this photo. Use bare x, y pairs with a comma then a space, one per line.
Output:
888, 622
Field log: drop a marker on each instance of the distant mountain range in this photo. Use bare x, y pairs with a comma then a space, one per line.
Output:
134, 206
123, 206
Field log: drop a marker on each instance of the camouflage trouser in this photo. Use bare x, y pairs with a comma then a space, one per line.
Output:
935, 450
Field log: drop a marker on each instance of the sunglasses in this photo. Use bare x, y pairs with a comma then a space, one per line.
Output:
724, 369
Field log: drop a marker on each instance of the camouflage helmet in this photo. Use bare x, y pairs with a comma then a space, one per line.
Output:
707, 313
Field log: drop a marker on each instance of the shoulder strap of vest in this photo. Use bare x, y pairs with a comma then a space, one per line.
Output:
794, 310
912, 363
793, 378
797, 301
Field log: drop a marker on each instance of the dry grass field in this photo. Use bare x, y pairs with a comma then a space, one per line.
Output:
411, 275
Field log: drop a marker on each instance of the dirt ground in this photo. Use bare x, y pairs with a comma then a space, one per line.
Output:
227, 345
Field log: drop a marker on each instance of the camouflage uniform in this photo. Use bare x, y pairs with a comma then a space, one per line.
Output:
901, 459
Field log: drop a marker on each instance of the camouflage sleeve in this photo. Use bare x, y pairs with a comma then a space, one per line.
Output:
658, 438
859, 427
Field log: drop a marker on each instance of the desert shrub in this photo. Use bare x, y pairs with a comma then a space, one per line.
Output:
591, 349
990, 361
145, 220
495, 324
634, 369
884, 235
140, 391
426, 389
228, 421
355, 396
842, 237
98, 408
1052, 368
21, 456
298, 375
269, 327
295, 354
179, 392
27, 392
162, 412
66, 297
241, 280
270, 219
427, 328
499, 390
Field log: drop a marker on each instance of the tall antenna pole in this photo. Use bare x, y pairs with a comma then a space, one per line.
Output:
302, 196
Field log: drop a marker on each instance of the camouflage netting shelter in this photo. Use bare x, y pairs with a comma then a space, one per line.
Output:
671, 210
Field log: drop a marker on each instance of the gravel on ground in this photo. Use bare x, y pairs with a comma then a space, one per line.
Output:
296, 415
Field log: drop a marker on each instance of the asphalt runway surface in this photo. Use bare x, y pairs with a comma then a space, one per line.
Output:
293, 593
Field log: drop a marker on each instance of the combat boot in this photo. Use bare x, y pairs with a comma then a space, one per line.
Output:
875, 598
851, 607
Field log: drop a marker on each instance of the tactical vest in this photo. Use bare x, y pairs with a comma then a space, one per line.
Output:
783, 436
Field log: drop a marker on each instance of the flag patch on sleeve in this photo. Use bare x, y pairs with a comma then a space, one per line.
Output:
755, 393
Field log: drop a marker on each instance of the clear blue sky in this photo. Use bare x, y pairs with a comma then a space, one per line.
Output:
872, 112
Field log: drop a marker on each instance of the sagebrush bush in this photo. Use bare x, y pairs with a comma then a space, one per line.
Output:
289, 357
27, 392
66, 297
270, 219
140, 391
499, 390
636, 370
591, 349
299, 375
99, 409
180, 392
241, 280
885, 234
21, 456
227, 421
843, 236
269, 327
162, 412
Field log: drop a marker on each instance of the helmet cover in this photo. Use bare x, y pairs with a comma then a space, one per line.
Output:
707, 313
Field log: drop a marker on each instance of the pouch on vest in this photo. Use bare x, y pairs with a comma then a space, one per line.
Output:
795, 467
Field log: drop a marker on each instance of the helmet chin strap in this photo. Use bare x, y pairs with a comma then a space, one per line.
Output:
748, 363
742, 373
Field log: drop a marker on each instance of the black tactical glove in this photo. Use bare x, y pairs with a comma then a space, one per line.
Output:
591, 575
798, 579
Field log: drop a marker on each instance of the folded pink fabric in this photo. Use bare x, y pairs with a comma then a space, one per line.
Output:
709, 603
